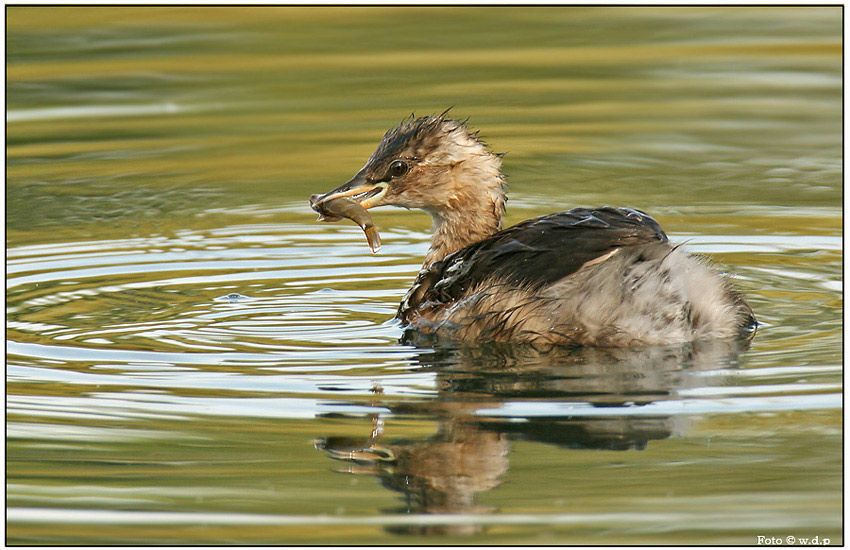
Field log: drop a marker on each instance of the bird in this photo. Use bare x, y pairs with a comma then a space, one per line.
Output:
598, 277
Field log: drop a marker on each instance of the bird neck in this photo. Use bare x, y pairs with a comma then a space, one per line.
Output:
474, 214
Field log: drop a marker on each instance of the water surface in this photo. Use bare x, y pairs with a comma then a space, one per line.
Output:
193, 359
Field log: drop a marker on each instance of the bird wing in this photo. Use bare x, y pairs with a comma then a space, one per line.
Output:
534, 253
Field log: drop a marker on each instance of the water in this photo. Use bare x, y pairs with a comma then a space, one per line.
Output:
193, 359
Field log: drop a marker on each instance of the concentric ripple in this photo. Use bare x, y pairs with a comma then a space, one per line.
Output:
193, 359
246, 307
160, 299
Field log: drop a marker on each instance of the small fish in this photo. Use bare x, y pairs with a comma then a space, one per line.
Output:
334, 209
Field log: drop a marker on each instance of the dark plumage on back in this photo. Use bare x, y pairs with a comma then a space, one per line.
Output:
596, 277
534, 253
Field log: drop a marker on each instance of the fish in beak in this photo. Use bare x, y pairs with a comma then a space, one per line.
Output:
358, 189
351, 200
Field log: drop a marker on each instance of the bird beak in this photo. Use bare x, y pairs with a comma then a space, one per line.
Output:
359, 189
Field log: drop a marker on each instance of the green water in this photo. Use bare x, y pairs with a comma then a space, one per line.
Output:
160, 159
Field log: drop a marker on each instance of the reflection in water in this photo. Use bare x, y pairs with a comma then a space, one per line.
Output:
443, 474
159, 159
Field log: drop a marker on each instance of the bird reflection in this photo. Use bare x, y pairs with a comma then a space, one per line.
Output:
468, 453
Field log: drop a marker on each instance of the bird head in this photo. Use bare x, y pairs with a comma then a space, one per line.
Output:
433, 163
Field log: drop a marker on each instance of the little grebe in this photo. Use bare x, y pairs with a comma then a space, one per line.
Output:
591, 277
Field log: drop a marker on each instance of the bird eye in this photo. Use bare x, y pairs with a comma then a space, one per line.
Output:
398, 168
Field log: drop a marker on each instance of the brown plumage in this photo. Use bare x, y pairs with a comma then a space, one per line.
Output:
594, 277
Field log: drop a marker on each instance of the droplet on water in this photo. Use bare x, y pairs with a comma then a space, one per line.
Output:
232, 297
